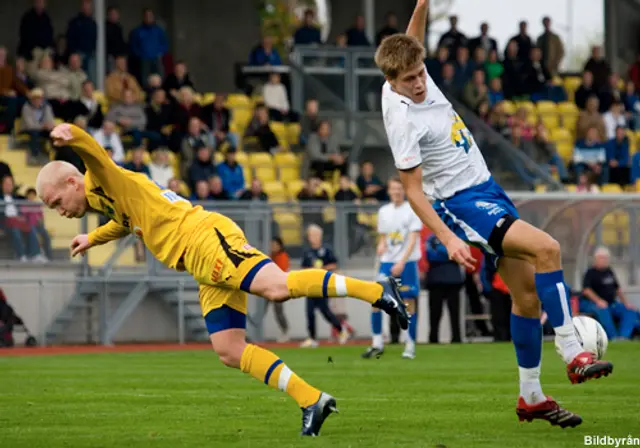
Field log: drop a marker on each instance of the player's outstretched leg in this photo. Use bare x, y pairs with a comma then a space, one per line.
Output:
377, 341
410, 343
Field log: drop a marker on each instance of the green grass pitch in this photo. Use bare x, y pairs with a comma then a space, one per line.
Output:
449, 396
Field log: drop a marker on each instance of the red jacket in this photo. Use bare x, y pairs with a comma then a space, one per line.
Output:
423, 264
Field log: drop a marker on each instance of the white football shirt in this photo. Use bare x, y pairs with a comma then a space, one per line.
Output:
396, 223
433, 135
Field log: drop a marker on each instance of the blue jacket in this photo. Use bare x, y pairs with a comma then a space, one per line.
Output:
442, 271
618, 151
260, 57
306, 35
495, 97
82, 35
232, 178
148, 42
635, 167
200, 171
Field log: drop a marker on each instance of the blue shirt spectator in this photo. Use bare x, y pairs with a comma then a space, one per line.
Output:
265, 54
136, 164
618, 149
590, 153
82, 33
635, 167
308, 33
464, 68
148, 41
231, 174
356, 36
318, 258
202, 167
496, 95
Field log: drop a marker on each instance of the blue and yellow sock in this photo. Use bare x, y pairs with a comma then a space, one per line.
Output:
321, 283
376, 329
268, 368
413, 327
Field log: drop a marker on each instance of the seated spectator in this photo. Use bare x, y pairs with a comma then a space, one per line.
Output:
175, 186
201, 192
195, 139
231, 173
120, 80
108, 138
55, 85
484, 41
548, 153
154, 82
610, 93
217, 191
475, 91
464, 68
479, 58
313, 191
493, 66
513, 77
390, 27
590, 154
177, 80
537, 77
130, 116
185, 110
202, 167
20, 72
614, 119
434, 65
5, 170
276, 99
136, 164
603, 297
484, 111
590, 118
35, 218
618, 158
67, 154
369, 184
631, 102
87, 107
60, 54
309, 121
500, 121
585, 91
448, 80
161, 172
265, 54
309, 32
520, 120
345, 191
12, 91
73, 71
496, 95
323, 153
149, 43
218, 120
255, 193
357, 35
37, 122
587, 183
260, 129
599, 66
158, 113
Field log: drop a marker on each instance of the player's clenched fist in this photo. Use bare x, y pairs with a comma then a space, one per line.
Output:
460, 253
80, 245
61, 135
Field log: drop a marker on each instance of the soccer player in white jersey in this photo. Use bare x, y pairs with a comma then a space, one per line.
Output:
399, 251
438, 159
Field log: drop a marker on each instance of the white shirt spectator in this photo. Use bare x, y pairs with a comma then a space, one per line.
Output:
161, 174
10, 209
275, 97
611, 122
396, 224
111, 141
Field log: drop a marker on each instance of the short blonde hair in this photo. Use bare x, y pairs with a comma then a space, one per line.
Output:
398, 53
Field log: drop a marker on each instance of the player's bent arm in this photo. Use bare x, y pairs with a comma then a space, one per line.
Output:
382, 244
108, 232
418, 23
93, 155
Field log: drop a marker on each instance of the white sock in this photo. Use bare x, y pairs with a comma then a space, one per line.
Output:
404, 335
567, 340
377, 341
409, 346
530, 388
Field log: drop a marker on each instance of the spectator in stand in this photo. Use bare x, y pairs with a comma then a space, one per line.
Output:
369, 184
265, 54
281, 259
131, 118
36, 30
496, 292
178, 79
202, 167
310, 120
277, 100
453, 39
37, 121
76, 76
617, 171
218, 193
12, 91
120, 80
476, 92
483, 41
161, 172
20, 72
195, 139
496, 95
231, 173
614, 119
35, 218
183, 112
5, 170
610, 93
537, 77
82, 37
87, 107
448, 80
176, 186
357, 35
60, 54
154, 82
390, 27
255, 193
323, 152
599, 67
313, 191
218, 119
309, 32
524, 42
260, 129
54, 84
549, 153
479, 58
520, 120
631, 105
116, 45
634, 71
590, 117
108, 138
66, 153
158, 113
345, 191
552, 48
590, 153
493, 66
136, 164
434, 65
513, 77
463, 68
148, 43
585, 90
201, 192
586, 183
484, 111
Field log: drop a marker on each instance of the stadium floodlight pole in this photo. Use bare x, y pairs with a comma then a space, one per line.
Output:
99, 14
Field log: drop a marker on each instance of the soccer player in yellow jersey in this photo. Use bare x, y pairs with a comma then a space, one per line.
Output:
213, 249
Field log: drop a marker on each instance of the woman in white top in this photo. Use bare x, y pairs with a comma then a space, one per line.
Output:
277, 100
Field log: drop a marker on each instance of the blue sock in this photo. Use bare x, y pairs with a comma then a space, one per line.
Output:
554, 295
376, 322
413, 327
526, 333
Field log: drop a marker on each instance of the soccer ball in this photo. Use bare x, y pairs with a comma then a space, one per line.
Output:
591, 335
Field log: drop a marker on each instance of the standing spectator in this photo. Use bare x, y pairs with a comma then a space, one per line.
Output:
603, 296
483, 41
369, 184
309, 32
434, 65
158, 114
11, 88
324, 153
120, 80
130, 116
231, 173
217, 191
585, 90
202, 167
76, 76
475, 91
277, 100
260, 129
631, 105
513, 78
590, 154
590, 117
178, 79
148, 43
524, 42
161, 172
310, 121
136, 164
463, 68
390, 27
614, 119
176, 187
195, 139
493, 66
265, 54
453, 39
36, 30
87, 107
599, 66
618, 158
496, 95
218, 119
255, 193
356, 35
444, 282
471, 283
497, 293
610, 93
116, 45
82, 37
552, 48
108, 138
537, 77
37, 122
35, 218
54, 84
281, 258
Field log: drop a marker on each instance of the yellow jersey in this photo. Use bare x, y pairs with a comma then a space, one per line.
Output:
164, 221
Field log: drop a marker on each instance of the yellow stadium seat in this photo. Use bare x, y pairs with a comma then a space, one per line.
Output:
293, 133
289, 173
328, 187
260, 159
242, 158
546, 107
560, 135
275, 191
508, 107
633, 144
557, 81
294, 187
541, 188
526, 105
550, 121
265, 174
611, 188
290, 228
280, 130
207, 98
238, 100
571, 84
571, 188
568, 108
565, 150
248, 176
240, 119
286, 158
218, 157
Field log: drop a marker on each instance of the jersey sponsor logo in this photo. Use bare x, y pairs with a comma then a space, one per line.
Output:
235, 256
489, 207
460, 135
99, 191
218, 265
172, 196
395, 238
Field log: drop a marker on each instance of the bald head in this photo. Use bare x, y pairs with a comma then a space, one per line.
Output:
61, 187
54, 174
